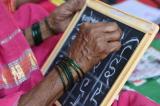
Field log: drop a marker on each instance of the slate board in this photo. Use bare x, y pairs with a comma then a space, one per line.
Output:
96, 84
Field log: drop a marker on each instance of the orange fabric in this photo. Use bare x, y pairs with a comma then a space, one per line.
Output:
150, 3
9, 4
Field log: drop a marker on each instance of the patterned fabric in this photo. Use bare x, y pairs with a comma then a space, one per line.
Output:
17, 71
17, 60
15, 53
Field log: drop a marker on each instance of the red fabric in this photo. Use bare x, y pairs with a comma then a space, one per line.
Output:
42, 51
149, 2
130, 98
158, 36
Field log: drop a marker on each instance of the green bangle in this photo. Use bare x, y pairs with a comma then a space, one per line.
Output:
75, 69
36, 34
68, 74
74, 64
61, 76
65, 66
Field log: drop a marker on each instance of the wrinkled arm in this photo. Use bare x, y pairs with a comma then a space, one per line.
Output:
46, 92
45, 32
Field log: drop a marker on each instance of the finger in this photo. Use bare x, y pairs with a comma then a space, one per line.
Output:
114, 46
86, 27
113, 36
107, 48
76, 5
104, 53
106, 27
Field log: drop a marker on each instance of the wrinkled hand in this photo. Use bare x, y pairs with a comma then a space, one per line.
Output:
94, 43
61, 17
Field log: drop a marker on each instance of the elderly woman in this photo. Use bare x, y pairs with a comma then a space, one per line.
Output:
21, 83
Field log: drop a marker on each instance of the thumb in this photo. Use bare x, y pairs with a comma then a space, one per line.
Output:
76, 5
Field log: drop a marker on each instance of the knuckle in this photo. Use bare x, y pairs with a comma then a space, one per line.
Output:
98, 45
111, 49
86, 24
117, 35
98, 40
85, 27
119, 45
120, 30
92, 32
114, 24
101, 47
108, 49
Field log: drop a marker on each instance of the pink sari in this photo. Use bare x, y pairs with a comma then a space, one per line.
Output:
18, 65
18, 55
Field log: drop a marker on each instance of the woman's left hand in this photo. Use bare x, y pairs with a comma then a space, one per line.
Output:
61, 17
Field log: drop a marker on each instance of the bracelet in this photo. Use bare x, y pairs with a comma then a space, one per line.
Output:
67, 74
75, 65
61, 76
36, 34
66, 66
74, 69
70, 75
77, 70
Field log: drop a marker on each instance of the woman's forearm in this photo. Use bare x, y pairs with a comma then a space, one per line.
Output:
44, 29
45, 93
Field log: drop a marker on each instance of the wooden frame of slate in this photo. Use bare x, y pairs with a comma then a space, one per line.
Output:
149, 29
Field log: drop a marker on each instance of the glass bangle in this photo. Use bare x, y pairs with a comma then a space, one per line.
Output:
72, 62
36, 34
75, 69
68, 71
61, 76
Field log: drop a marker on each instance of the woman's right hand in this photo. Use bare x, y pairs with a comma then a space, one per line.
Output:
94, 43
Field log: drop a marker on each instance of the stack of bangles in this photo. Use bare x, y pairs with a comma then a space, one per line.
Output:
36, 32
65, 69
